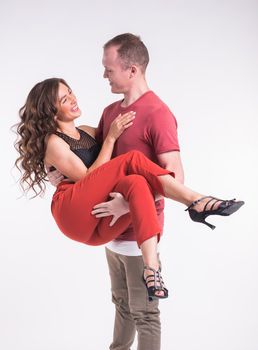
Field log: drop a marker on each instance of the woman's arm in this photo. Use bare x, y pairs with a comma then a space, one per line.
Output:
117, 127
59, 155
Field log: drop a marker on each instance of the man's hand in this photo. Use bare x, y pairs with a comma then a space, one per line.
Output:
54, 177
117, 207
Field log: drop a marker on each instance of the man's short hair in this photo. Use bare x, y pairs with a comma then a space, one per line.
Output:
131, 50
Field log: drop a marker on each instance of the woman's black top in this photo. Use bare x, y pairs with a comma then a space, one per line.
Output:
86, 148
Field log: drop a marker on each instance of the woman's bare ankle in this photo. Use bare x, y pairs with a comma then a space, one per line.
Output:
154, 264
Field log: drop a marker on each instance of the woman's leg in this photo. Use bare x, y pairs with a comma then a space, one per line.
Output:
165, 184
142, 214
72, 207
143, 217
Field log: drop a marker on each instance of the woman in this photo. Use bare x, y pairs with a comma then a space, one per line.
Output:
49, 138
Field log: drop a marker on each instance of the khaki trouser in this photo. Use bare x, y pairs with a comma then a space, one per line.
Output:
134, 311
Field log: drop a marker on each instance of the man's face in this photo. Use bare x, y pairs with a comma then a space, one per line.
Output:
118, 77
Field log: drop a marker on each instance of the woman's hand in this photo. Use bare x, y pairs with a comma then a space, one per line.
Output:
120, 124
117, 207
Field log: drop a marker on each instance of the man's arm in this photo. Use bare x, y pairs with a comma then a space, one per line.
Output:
172, 161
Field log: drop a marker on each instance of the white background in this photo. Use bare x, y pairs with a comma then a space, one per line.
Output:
54, 292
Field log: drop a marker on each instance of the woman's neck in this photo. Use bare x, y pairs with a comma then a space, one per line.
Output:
68, 129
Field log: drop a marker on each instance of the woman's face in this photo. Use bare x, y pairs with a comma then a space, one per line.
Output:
67, 104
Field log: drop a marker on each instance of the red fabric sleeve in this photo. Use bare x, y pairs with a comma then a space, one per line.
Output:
163, 131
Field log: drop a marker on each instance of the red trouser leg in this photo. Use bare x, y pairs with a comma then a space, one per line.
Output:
143, 214
72, 203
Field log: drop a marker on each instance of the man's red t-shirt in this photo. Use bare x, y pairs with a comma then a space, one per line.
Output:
154, 131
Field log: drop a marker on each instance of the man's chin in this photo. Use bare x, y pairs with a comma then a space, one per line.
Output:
115, 91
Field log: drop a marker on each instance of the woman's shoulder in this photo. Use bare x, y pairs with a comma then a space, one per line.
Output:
54, 140
89, 130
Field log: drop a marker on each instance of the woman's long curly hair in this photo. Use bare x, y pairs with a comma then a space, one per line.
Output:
36, 125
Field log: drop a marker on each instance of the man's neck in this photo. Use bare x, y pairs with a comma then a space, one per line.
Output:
134, 93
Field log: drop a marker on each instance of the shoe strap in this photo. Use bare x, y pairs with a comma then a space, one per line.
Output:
216, 200
212, 206
156, 278
198, 201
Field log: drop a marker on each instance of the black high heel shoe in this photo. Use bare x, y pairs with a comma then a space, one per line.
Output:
158, 284
225, 208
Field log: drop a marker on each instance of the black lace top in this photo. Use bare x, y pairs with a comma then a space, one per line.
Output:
86, 148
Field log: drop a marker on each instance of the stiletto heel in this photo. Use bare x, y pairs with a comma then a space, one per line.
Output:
157, 286
209, 225
225, 208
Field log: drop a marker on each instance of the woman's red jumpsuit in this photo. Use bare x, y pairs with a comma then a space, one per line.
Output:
131, 174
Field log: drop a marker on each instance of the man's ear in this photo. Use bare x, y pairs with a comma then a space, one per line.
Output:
133, 71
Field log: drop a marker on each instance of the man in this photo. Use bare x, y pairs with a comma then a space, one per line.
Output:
154, 133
